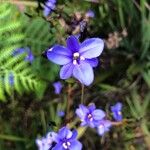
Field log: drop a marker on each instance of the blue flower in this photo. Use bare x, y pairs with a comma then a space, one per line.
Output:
18, 51
60, 113
45, 143
29, 57
66, 140
58, 87
116, 110
49, 6
90, 14
90, 116
77, 59
103, 126
11, 78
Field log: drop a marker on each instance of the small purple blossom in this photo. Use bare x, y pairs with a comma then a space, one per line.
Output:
11, 79
60, 113
58, 87
66, 140
18, 51
103, 126
49, 7
45, 143
29, 57
116, 110
90, 116
90, 14
78, 59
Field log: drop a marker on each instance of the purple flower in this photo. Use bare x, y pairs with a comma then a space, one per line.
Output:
49, 6
11, 79
116, 110
60, 113
18, 51
90, 116
45, 143
42, 144
58, 87
103, 126
90, 14
29, 57
66, 140
77, 59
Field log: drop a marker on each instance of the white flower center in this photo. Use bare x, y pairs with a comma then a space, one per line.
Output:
66, 145
77, 58
101, 126
76, 55
90, 117
119, 113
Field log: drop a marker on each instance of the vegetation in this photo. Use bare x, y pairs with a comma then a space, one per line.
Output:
29, 106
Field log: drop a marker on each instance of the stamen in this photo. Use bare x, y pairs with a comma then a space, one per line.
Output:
74, 62
119, 113
76, 54
101, 126
66, 145
82, 58
90, 117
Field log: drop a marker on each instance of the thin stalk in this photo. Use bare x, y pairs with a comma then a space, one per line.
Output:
82, 94
68, 104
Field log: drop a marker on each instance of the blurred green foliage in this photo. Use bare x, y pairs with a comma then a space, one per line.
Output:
124, 73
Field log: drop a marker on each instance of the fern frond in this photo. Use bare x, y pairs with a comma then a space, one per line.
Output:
24, 78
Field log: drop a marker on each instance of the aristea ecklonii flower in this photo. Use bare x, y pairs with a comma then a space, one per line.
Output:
29, 57
90, 14
103, 126
66, 140
60, 113
116, 110
45, 143
49, 6
58, 87
90, 116
11, 78
77, 59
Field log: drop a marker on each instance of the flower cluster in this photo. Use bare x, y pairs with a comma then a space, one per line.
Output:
78, 59
65, 139
96, 118
29, 57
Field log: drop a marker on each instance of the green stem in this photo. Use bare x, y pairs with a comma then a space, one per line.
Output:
68, 104
82, 94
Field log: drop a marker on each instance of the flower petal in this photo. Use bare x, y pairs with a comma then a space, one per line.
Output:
74, 135
93, 62
75, 145
66, 71
104, 126
64, 133
98, 114
92, 107
82, 111
72, 43
58, 147
84, 73
59, 55
91, 48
